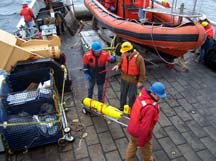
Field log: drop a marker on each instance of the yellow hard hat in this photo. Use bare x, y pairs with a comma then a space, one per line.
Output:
205, 23
126, 46
164, 2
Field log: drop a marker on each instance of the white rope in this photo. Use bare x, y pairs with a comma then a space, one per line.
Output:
156, 48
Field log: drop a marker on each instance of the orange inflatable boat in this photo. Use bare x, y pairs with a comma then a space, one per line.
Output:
150, 24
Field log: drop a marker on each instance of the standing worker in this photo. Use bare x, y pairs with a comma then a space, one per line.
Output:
210, 32
29, 17
132, 73
144, 116
94, 62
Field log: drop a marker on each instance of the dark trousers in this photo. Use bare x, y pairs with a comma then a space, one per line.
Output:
127, 90
60, 29
91, 89
204, 49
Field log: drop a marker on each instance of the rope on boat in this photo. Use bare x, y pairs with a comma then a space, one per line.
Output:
157, 50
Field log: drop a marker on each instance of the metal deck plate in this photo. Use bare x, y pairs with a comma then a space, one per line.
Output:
88, 37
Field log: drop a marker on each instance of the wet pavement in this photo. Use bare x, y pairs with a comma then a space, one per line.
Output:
186, 130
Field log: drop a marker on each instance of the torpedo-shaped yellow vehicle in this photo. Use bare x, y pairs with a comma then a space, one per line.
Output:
107, 111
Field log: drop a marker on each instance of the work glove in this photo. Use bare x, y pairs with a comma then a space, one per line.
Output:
87, 76
116, 67
112, 59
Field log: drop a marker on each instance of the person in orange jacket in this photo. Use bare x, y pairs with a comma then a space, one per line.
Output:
132, 67
94, 62
29, 17
210, 32
144, 116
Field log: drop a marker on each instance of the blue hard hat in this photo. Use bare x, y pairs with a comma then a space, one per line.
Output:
96, 46
159, 89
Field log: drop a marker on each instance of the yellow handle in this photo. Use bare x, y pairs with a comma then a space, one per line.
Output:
127, 109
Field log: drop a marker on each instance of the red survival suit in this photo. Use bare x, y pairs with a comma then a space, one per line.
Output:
209, 31
26, 13
96, 64
143, 118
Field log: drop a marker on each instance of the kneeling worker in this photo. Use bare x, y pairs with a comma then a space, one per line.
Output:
210, 32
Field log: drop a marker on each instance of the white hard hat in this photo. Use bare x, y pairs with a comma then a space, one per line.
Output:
24, 2
203, 17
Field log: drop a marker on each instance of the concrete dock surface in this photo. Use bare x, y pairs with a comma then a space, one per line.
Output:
186, 130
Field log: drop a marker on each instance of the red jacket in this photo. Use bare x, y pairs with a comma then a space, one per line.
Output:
210, 32
140, 4
89, 58
96, 65
27, 13
130, 67
143, 118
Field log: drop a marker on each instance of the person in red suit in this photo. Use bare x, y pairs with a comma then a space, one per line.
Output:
143, 118
94, 63
29, 17
210, 32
